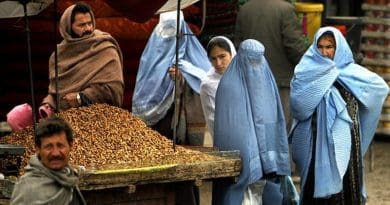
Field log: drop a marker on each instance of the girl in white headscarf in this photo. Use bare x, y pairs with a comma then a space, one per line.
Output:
220, 51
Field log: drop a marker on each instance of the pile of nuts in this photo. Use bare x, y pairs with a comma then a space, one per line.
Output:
105, 135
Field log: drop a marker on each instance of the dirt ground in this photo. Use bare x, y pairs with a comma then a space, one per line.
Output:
377, 171
378, 178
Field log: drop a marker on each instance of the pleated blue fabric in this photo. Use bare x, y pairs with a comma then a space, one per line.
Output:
313, 90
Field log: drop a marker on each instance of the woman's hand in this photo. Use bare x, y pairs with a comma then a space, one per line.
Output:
172, 72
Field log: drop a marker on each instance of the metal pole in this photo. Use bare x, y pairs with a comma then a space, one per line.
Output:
56, 57
177, 83
24, 2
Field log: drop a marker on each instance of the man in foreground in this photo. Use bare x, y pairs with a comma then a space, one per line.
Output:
48, 178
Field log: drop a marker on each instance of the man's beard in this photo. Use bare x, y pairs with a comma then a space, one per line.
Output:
85, 33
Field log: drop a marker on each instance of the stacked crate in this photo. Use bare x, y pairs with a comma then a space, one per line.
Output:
376, 49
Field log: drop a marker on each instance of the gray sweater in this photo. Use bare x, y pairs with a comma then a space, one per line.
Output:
40, 185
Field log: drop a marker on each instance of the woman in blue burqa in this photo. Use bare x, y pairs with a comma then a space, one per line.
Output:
336, 105
249, 118
153, 98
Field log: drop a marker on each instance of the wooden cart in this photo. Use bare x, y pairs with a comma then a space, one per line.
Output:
150, 185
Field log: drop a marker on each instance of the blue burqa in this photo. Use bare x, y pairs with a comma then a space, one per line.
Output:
249, 118
154, 88
312, 89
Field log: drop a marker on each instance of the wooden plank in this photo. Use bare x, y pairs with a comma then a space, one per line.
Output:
173, 173
206, 193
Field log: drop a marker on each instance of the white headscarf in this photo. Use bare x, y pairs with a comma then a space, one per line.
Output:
209, 86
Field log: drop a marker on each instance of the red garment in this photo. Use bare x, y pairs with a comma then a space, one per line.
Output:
20, 117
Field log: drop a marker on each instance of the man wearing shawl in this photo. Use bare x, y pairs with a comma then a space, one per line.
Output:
249, 118
48, 179
336, 105
89, 64
153, 98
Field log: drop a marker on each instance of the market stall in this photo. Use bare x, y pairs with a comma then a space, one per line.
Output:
120, 160
154, 185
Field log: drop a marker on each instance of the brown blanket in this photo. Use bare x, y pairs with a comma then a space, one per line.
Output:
91, 64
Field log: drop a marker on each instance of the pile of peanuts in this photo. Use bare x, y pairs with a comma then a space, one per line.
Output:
105, 135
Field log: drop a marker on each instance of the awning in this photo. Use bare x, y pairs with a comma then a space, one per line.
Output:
171, 5
135, 10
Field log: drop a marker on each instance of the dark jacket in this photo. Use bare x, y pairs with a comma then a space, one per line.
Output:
275, 24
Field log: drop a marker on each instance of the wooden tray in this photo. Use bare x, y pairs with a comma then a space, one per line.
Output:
228, 165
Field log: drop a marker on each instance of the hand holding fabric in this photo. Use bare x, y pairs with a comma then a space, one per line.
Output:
172, 72
71, 99
45, 110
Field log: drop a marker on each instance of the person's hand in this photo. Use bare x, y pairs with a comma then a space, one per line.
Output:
45, 110
172, 73
71, 99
